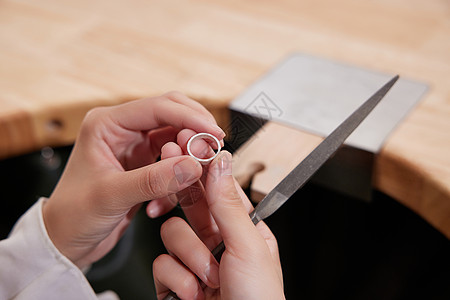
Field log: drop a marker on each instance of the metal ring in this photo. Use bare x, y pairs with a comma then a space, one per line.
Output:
207, 136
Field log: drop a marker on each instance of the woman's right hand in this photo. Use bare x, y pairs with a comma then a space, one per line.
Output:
250, 266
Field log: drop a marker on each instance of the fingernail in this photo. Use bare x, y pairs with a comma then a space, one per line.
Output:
153, 211
212, 275
224, 164
185, 170
222, 133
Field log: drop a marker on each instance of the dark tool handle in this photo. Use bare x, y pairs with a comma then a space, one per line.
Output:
217, 252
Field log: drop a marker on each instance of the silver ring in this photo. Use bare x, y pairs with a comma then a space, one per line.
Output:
206, 136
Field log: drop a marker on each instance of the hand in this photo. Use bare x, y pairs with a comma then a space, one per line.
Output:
112, 170
250, 266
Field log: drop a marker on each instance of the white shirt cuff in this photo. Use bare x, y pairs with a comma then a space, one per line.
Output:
33, 268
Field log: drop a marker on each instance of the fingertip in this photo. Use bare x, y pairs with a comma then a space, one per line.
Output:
170, 149
152, 210
159, 207
218, 132
220, 182
183, 137
222, 164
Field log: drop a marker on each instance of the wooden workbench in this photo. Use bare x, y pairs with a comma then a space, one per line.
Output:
60, 58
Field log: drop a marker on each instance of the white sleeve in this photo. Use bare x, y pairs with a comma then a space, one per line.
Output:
31, 267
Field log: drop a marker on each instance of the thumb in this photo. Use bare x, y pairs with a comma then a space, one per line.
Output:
157, 180
226, 205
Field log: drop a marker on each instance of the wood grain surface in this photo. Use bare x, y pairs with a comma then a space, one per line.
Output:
58, 59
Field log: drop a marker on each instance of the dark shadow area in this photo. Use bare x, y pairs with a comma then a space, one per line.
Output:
331, 246
24, 179
335, 247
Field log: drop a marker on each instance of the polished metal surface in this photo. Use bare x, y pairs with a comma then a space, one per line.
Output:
316, 94
309, 166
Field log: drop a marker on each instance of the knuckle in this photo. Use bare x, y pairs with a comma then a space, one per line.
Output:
273, 242
272, 237
92, 118
94, 113
174, 95
232, 197
227, 197
152, 184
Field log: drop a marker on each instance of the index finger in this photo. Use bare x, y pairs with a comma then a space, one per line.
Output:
183, 99
149, 113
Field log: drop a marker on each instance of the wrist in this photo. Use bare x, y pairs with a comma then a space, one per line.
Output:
57, 234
